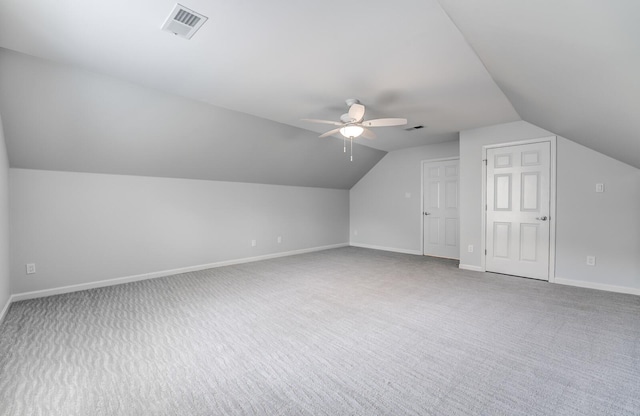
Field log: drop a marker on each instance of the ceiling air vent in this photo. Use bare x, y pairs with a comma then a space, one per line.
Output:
414, 128
183, 22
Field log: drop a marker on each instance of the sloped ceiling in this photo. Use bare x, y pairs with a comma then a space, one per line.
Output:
96, 85
256, 67
59, 118
571, 67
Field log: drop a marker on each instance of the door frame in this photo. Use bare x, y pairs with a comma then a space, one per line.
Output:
552, 200
422, 164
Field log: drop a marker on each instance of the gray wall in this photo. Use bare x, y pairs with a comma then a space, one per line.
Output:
5, 283
82, 228
381, 213
605, 225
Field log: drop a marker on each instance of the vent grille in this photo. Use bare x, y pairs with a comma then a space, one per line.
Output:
186, 18
183, 22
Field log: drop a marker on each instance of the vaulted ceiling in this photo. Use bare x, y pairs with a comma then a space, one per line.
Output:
571, 67
96, 86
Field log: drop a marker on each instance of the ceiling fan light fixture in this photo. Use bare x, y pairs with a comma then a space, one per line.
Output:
351, 131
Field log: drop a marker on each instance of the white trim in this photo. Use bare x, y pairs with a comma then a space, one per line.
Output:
470, 267
440, 159
552, 209
153, 275
552, 200
422, 163
483, 209
393, 249
441, 257
6, 308
597, 286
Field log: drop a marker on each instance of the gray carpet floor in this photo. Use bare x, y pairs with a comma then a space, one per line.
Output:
339, 332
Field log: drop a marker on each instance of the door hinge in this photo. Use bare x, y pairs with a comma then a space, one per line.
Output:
485, 252
485, 161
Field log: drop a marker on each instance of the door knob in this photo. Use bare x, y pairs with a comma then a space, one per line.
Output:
427, 213
543, 218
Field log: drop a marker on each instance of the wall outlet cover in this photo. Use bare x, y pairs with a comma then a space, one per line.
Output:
31, 268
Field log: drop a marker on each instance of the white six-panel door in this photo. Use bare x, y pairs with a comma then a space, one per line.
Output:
440, 209
517, 220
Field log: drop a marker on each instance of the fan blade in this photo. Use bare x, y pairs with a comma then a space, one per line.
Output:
330, 133
368, 134
313, 120
385, 122
356, 112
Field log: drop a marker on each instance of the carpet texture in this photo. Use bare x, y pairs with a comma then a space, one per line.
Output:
341, 332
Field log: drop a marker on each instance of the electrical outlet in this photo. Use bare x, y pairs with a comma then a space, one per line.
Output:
279, 239
599, 187
253, 243
470, 248
591, 260
31, 268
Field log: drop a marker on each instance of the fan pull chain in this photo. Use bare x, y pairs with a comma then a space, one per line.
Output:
351, 140
344, 149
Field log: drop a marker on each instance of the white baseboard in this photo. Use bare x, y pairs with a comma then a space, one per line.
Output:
153, 275
393, 249
470, 267
598, 286
5, 309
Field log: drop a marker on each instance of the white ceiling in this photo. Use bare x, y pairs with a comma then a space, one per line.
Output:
450, 65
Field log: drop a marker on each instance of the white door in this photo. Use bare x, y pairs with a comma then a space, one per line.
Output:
440, 203
518, 180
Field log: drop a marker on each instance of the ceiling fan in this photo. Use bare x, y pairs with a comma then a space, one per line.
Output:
352, 124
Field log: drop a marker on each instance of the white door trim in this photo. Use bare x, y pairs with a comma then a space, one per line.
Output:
552, 201
422, 163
